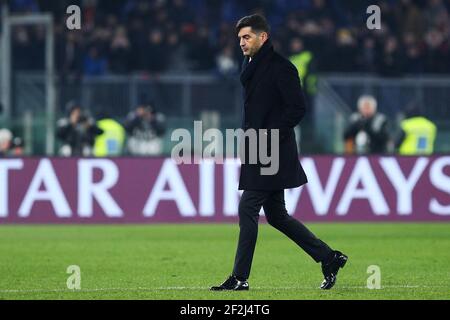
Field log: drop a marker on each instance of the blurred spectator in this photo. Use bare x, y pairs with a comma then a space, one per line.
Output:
436, 14
77, 132
413, 60
304, 61
154, 56
181, 12
226, 64
197, 32
201, 52
94, 64
344, 56
120, 52
319, 10
176, 54
417, 135
436, 59
145, 127
367, 132
410, 18
391, 59
69, 53
10, 145
18, 146
367, 57
110, 143
6, 138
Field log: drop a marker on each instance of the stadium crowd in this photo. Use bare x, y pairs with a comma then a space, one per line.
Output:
158, 36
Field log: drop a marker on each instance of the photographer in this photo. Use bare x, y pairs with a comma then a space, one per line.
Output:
145, 127
367, 132
10, 146
77, 132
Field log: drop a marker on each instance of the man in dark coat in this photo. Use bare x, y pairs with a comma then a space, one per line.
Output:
273, 99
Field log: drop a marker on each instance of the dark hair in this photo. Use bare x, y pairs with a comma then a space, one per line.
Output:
256, 21
72, 105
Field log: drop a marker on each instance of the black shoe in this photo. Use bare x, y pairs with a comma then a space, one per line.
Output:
330, 270
232, 283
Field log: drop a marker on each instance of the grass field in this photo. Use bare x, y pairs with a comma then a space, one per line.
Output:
182, 261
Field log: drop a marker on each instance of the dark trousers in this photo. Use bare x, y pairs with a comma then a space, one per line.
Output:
277, 216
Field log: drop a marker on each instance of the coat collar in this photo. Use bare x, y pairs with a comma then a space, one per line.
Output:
253, 69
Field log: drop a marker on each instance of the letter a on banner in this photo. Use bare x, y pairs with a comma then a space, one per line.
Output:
177, 191
363, 173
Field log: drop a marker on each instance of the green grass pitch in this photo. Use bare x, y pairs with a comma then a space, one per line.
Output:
182, 261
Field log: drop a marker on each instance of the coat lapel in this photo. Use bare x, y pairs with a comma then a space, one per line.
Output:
259, 74
254, 71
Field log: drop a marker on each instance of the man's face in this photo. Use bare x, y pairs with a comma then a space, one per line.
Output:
251, 42
75, 115
140, 111
144, 113
367, 110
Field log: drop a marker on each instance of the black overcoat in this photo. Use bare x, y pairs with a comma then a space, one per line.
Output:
273, 99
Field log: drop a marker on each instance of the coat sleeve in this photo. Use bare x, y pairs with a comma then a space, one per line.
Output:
289, 85
63, 129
